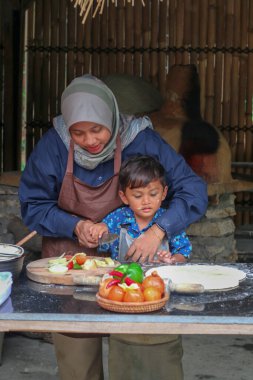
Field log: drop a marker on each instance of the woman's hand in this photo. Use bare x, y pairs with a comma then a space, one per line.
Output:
82, 231
97, 230
146, 245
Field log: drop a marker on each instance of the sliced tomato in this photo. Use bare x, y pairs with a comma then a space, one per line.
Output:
80, 258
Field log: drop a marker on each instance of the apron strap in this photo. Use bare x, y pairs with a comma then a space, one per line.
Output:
117, 156
70, 158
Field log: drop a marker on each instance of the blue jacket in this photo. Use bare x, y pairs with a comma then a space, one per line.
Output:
179, 243
42, 178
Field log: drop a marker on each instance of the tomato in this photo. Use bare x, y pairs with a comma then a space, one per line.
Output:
152, 294
133, 295
154, 280
116, 293
80, 258
103, 291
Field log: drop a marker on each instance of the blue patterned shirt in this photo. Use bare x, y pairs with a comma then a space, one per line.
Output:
124, 216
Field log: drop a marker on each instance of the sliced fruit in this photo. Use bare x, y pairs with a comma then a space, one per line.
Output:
58, 269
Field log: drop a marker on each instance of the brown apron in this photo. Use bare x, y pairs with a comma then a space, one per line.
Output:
79, 198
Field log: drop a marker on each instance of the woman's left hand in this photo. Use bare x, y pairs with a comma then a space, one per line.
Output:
146, 245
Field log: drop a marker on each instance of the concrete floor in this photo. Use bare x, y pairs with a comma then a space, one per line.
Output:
210, 357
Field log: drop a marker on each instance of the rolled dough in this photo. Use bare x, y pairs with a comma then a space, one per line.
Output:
212, 277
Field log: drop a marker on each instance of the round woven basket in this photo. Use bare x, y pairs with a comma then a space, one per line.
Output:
132, 307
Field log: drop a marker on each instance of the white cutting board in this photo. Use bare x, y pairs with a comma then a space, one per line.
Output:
212, 277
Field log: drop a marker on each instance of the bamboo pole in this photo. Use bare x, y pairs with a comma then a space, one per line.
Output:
240, 144
107, 22
195, 31
95, 44
218, 79
227, 66
235, 79
209, 99
146, 40
154, 42
30, 82
203, 6
179, 30
54, 70
137, 38
172, 31
112, 38
120, 36
71, 39
129, 38
187, 30
80, 65
162, 61
38, 69
249, 92
62, 76
45, 93
87, 43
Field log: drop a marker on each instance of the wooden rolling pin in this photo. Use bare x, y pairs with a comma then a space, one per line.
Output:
26, 238
184, 288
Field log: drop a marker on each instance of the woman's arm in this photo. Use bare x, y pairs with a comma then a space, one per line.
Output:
39, 190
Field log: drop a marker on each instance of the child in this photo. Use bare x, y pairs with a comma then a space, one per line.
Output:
142, 189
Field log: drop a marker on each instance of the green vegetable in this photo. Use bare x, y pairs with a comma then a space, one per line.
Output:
77, 266
132, 271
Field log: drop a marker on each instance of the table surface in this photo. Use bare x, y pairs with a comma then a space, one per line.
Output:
38, 307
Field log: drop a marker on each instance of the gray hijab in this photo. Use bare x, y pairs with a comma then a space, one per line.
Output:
89, 99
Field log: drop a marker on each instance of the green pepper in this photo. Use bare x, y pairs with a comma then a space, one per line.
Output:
135, 272
132, 271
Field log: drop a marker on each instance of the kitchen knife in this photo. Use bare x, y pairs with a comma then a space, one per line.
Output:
107, 238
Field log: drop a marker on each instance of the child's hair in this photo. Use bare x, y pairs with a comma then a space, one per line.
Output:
139, 171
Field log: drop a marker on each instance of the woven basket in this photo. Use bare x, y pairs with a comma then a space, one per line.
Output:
132, 307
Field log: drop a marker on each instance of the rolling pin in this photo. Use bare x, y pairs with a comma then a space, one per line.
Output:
184, 288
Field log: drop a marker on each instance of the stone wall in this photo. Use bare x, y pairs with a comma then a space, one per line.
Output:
9, 208
212, 237
12, 229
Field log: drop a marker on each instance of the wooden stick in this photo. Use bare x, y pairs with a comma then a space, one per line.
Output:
26, 238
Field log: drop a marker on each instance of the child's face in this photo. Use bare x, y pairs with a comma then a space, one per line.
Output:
144, 201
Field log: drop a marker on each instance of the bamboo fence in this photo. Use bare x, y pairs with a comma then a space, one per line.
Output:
215, 35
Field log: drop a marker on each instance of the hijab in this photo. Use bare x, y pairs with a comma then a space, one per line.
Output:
89, 99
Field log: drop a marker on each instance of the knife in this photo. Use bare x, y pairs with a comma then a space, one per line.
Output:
107, 238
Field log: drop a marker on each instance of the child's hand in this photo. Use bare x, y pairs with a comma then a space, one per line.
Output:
168, 258
97, 230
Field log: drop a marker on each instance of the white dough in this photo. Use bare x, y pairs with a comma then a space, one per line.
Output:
212, 277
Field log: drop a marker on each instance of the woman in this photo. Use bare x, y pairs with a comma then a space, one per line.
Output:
71, 180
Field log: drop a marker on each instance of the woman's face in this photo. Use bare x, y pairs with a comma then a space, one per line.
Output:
90, 136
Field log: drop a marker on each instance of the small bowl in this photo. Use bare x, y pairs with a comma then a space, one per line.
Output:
13, 264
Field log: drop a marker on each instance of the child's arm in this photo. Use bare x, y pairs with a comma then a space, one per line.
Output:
180, 250
97, 230
168, 258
